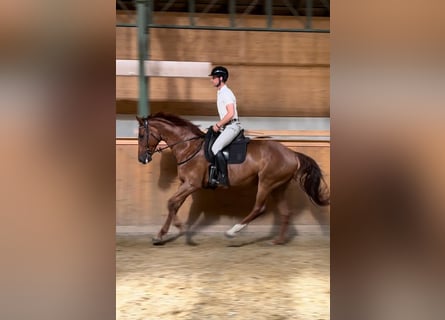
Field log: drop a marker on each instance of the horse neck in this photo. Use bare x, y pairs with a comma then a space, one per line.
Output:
173, 136
169, 133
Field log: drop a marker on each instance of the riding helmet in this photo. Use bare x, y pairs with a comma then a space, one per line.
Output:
220, 72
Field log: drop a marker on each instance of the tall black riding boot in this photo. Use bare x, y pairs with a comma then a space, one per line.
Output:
221, 164
213, 172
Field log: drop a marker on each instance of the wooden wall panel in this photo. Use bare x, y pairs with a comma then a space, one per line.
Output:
196, 45
283, 91
302, 49
223, 46
142, 192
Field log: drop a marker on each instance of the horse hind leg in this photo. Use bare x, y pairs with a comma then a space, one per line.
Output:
255, 213
258, 209
279, 195
195, 214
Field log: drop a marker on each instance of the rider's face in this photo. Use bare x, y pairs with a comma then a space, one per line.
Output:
216, 81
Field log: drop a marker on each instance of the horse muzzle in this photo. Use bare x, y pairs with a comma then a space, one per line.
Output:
145, 158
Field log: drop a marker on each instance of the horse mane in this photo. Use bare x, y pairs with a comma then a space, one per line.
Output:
177, 121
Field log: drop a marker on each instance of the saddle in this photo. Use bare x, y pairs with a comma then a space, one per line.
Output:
234, 153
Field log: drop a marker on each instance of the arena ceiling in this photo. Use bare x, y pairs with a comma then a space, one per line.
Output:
320, 8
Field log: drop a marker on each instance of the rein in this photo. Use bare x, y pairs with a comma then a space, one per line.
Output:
159, 149
182, 141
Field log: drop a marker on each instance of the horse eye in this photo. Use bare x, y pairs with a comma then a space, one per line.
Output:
141, 136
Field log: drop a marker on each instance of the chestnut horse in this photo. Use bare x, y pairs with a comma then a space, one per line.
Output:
269, 163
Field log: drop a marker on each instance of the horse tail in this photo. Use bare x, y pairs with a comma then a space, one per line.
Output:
311, 180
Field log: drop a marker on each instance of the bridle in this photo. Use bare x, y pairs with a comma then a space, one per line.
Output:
159, 139
148, 133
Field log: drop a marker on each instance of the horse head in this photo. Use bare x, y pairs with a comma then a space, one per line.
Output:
148, 140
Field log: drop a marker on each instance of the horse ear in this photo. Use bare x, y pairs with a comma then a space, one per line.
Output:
139, 120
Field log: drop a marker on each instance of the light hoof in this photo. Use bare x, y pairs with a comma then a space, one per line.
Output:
157, 241
229, 234
234, 230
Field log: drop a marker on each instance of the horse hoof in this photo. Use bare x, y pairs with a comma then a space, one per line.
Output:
278, 242
229, 234
234, 230
157, 241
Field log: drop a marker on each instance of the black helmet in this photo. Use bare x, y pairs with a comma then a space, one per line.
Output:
220, 72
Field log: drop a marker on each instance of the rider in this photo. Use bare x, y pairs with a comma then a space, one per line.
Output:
228, 125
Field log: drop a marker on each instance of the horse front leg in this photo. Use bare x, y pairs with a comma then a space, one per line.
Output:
174, 203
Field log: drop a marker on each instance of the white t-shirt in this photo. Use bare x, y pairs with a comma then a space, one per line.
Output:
224, 97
